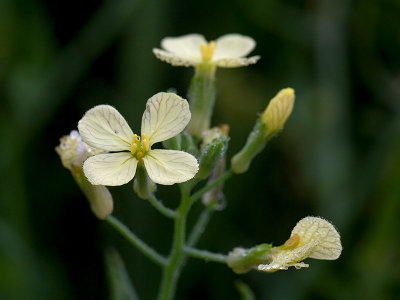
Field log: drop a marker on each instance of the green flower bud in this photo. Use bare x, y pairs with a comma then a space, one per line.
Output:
211, 152
143, 185
267, 126
73, 152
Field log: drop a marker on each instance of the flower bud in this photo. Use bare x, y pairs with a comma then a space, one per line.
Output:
215, 144
268, 124
73, 152
278, 111
143, 186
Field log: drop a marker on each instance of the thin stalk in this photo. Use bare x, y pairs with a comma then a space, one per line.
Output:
206, 255
200, 226
136, 241
157, 204
225, 176
177, 256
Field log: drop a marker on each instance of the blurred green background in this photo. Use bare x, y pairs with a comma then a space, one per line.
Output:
338, 156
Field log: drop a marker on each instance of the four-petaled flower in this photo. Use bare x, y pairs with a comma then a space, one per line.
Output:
228, 51
311, 237
103, 127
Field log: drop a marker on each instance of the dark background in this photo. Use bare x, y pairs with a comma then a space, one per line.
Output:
338, 156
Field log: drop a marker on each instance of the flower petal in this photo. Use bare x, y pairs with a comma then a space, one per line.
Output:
236, 62
110, 168
174, 59
314, 228
233, 46
169, 166
165, 116
103, 127
186, 46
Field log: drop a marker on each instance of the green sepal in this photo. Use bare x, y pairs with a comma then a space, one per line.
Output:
143, 186
210, 155
188, 144
201, 96
174, 143
242, 260
255, 143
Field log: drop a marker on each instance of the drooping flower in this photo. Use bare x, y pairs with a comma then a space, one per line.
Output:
73, 152
103, 127
228, 51
312, 237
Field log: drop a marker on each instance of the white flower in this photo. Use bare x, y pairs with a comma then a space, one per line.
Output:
103, 127
228, 51
311, 237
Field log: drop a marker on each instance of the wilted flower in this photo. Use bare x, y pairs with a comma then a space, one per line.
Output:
103, 127
228, 51
312, 237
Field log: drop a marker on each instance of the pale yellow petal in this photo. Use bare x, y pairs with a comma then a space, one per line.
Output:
186, 46
233, 46
165, 116
174, 59
103, 127
110, 168
313, 228
236, 62
169, 166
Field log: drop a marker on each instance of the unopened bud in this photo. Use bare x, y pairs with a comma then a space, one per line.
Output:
215, 144
73, 152
268, 124
278, 111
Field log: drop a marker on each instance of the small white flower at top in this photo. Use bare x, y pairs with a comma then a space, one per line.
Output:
311, 237
103, 127
228, 51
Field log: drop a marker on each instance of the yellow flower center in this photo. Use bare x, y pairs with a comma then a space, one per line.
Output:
140, 146
207, 50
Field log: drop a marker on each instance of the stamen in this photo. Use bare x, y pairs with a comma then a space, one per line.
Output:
133, 146
145, 142
207, 50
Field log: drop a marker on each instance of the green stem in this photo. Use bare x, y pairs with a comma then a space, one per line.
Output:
225, 176
161, 208
177, 256
200, 226
136, 241
206, 255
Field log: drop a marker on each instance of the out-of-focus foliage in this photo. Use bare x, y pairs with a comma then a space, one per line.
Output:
338, 156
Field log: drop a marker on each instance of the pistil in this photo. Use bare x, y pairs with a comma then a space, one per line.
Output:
207, 50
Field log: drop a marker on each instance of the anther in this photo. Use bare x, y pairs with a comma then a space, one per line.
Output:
145, 142
292, 242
